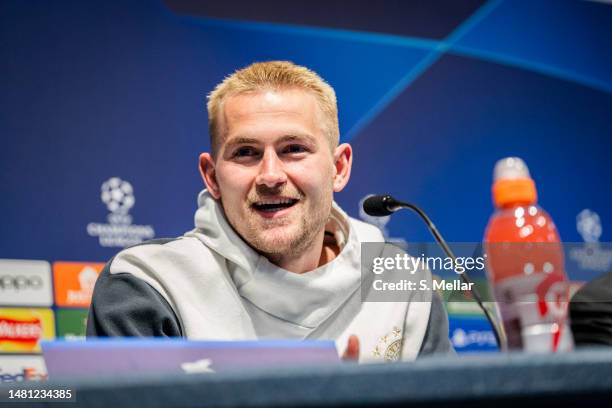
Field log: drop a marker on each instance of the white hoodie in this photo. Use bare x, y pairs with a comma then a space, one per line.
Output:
219, 288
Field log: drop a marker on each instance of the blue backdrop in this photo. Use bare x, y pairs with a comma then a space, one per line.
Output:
430, 95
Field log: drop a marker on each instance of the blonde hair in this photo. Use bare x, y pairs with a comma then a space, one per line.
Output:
273, 75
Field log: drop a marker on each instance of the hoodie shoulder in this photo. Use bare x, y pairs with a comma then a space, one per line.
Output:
366, 232
123, 305
165, 263
158, 254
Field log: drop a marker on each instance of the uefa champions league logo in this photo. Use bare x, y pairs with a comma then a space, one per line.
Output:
593, 255
588, 225
118, 197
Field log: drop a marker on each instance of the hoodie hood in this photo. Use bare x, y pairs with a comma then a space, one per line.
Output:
213, 229
305, 300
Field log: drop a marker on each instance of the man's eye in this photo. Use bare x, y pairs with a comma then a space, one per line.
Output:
295, 148
244, 152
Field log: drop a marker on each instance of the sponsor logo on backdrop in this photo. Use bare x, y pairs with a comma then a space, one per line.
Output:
118, 197
74, 282
592, 255
87, 280
470, 331
19, 282
21, 329
25, 283
71, 323
479, 338
22, 368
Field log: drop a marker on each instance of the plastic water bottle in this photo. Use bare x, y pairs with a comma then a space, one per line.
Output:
525, 264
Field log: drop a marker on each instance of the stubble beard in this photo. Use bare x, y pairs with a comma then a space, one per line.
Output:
291, 238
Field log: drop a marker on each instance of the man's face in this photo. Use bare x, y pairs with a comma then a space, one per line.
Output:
275, 171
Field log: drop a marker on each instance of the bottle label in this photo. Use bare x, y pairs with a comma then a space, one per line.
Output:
536, 305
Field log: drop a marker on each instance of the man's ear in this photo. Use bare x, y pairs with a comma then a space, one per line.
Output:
343, 161
207, 170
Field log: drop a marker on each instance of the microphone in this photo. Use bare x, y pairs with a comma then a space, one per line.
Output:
383, 205
380, 206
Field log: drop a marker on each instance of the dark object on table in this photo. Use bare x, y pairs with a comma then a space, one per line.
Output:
591, 313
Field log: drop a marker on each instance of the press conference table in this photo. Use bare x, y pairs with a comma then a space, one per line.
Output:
582, 379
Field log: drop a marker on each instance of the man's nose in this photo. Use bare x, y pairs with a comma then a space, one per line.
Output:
271, 172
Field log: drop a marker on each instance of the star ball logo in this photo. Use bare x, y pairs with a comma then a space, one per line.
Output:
118, 197
592, 255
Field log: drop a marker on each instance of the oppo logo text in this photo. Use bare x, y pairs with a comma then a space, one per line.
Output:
20, 282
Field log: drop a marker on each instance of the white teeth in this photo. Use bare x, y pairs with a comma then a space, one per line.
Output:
275, 202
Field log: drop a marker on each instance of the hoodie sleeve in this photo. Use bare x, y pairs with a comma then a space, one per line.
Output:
436, 337
123, 305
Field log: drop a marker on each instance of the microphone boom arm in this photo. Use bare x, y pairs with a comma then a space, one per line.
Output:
392, 205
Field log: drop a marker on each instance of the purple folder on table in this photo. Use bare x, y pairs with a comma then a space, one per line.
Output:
146, 356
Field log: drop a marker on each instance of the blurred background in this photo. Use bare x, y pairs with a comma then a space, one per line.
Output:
103, 115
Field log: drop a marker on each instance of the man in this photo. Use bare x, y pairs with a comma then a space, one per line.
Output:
272, 256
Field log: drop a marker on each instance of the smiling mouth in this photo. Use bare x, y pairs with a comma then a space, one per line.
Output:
274, 205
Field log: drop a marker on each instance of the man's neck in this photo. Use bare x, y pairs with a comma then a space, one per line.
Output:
316, 255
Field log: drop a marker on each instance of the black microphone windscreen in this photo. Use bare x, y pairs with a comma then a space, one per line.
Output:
376, 206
